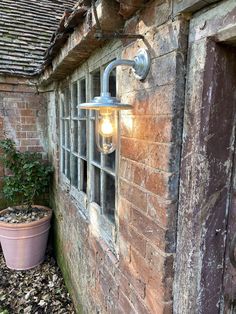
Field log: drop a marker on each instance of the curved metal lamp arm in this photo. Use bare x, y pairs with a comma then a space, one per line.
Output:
107, 72
140, 65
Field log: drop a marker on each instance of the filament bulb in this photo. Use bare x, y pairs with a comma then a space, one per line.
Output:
106, 126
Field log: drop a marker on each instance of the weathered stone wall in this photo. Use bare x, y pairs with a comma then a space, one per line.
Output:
22, 117
139, 278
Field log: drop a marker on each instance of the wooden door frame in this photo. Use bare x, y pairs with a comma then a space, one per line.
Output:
205, 175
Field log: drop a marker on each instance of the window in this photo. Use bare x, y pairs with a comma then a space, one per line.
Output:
90, 175
102, 166
78, 141
65, 132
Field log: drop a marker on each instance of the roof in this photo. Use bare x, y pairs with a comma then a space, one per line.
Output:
26, 28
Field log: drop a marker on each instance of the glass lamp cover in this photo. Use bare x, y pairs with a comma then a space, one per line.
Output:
106, 130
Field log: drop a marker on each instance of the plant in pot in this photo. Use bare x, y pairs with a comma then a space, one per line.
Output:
24, 227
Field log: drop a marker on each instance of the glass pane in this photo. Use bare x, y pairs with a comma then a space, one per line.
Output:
74, 171
96, 83
96, 186
68, 164
63, 161
109, 197
67, 124
67, 102
96, 87
83, 150
63, 132
110, 161
75, 136
82, 96
62, 105
83, 175
96, 154
75, 99
112, 83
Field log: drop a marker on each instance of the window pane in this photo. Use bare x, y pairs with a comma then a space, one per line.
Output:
83, 151
96, 154
110, 161
96, 83
75, 136
63, 161
63, 132
96, 87
96, 186
82, 99
83, 175
74, 171
112, 83
63, 105
75, 99
68, 164
67, 102
109, 197
67, 133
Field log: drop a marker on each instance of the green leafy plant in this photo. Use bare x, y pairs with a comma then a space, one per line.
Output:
29, 174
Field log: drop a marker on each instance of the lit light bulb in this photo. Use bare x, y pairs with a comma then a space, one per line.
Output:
106, 126
106, 130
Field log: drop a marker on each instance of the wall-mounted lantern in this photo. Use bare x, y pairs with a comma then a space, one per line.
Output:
106, 107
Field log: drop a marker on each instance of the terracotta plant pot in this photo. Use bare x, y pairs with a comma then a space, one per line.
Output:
24, 244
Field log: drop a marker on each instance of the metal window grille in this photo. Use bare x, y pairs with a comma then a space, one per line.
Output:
103, 167
65, 132
86, 169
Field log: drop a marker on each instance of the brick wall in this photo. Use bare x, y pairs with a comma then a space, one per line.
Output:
139, 278
22, 117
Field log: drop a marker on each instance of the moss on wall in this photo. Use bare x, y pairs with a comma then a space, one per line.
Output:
61, 260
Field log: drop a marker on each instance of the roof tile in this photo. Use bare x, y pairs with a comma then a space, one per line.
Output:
26, 28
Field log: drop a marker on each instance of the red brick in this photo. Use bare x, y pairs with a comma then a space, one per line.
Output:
21, 105
21, 135
158, 100
159, 156
155, 233
133, 277
132, 237
152, 128
137, 241
36, 149
125, 305
158, 182
30, 142
124, 209
160, 261
28, 127
153, 278
156, 306
134, 149
138, 303
6, 88
29, 120
33, 134
162, 211
134, 195
124, 249
107, 282
24, 89
27, 112
123, 283
133, 171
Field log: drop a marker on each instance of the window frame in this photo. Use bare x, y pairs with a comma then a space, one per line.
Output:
103, 226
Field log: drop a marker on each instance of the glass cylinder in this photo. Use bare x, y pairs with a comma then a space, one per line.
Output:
106, 130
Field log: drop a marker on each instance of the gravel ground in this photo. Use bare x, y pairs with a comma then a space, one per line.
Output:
40, 290
16, 215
